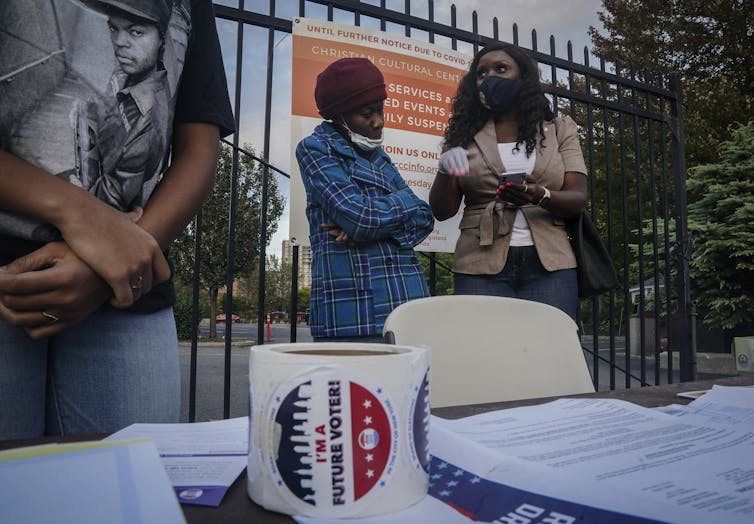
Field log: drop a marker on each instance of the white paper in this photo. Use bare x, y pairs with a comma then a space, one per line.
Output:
741, 396
716, 456
219, 437
728, 394
203, 471
730, 406
202, 459
120, 483
705, 470
518, 490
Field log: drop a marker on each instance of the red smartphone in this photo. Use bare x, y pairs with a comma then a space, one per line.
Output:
516, 178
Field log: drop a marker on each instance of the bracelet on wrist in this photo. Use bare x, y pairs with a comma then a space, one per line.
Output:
545, 200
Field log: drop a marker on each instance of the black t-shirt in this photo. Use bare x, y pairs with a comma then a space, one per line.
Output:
90, 116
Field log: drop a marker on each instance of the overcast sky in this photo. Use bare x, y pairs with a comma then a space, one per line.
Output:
565, 19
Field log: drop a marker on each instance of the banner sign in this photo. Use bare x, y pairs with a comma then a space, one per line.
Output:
421, 80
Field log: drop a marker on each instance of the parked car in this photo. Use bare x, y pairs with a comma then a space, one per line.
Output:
220, 319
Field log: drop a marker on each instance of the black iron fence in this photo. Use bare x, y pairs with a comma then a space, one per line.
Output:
632, 136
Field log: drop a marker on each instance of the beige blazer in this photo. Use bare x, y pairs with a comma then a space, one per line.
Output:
482, 247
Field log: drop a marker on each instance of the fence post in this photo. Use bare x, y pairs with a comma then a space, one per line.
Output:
687, 340
433, 274
294, 292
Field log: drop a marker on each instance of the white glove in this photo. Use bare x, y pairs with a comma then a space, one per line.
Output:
454, 161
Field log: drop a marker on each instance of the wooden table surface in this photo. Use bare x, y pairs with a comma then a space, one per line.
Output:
236, 507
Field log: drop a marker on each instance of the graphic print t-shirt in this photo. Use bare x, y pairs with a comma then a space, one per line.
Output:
90, 90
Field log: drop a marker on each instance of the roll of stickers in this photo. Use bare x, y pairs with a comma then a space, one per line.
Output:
338, 429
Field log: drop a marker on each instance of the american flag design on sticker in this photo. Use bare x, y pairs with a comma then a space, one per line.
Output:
370, 434
482, 500
335, 442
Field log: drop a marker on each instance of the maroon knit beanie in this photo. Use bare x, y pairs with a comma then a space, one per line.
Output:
347, 84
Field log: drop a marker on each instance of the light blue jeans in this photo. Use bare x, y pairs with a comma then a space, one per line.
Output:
524, 277
113, 369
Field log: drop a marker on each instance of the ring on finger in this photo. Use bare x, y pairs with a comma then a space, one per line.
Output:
137, 287
526, 187
49, 317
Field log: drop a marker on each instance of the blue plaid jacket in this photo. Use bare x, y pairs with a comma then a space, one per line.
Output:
355, 287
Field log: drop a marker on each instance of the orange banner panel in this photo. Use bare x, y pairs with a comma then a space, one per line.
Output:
419, 91
303, 80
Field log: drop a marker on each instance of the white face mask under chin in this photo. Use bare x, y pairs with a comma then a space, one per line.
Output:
364, 142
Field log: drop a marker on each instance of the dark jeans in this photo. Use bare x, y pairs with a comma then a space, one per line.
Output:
524, 277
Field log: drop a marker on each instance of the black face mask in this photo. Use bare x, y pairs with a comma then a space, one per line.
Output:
498, 94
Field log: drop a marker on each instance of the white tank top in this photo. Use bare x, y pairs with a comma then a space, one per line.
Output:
516, 161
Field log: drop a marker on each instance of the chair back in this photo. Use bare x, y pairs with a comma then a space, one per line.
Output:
489, 349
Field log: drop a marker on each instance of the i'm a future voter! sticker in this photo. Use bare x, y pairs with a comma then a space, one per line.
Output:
335, 439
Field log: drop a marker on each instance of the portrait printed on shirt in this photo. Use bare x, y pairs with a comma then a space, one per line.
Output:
88, 90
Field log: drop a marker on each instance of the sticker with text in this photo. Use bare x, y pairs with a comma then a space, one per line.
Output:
335, 442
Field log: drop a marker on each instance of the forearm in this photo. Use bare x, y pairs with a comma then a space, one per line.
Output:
107, 240
419, 221
366, 219
445, 196
413, 236
565, 203
569, 200
186, 183
28, 190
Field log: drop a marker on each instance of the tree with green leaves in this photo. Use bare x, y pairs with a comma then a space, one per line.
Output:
214, 226
443, 274
277, 296
721, 221
304, 294
277, 282
707, 43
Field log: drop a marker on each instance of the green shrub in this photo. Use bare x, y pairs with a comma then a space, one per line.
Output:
182, 312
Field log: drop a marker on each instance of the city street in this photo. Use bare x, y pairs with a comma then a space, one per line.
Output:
210, 366
211, 370
242, 331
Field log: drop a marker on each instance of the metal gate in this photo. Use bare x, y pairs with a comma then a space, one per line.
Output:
632, 136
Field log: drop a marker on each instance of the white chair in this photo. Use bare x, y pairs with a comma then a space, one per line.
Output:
488, 349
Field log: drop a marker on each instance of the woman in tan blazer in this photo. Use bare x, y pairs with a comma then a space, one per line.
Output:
520, 172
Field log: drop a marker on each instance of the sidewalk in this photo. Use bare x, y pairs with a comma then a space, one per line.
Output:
716, 363
719, 363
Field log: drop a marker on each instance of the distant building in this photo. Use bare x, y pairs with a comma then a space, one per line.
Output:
649, 293
304, 262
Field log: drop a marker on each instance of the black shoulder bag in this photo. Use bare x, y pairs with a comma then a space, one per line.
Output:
596, 272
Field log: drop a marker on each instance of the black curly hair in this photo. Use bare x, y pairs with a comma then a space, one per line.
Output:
469, 115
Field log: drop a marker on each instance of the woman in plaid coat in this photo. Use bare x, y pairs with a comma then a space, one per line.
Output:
363, 219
